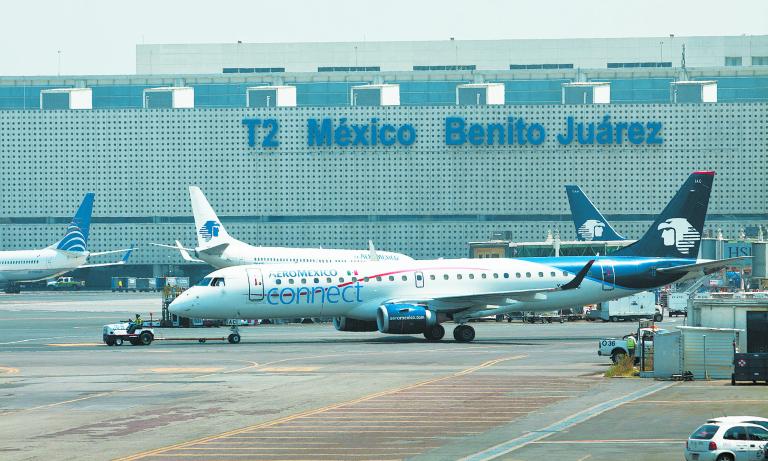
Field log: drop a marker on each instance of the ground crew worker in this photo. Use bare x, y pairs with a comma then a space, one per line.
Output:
631, 343
137, 323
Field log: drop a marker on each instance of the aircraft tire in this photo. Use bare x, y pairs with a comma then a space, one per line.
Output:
234, 338
658, 317
464, 333
435, 333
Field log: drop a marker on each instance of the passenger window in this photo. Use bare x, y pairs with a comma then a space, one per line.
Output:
290, 281
736, 433
506, 275
329, 280
517, 274
565, 274
458, 276
471, 276
541, 274
354, 279
431, 276
341, 279
391, 278
378, 279
528, 274
445, 276
278, 282
303, 281
495, 275
552, 274
484, 276
365, 279
405, 278
758, 433
317, 280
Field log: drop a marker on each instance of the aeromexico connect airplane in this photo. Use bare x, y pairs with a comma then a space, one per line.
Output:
67, 254
590, 224
414, 297
217, 248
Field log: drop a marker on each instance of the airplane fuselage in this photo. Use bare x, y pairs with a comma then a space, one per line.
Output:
239, 253
356, 290
34, 265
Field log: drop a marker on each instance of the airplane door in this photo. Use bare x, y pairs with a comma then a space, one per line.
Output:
255, 284
418, 277
609, 276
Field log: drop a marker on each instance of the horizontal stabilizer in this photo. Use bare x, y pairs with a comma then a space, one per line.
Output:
215, 250
707, 267
184, 251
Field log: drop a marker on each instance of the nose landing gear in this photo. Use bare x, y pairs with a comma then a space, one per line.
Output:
234, 337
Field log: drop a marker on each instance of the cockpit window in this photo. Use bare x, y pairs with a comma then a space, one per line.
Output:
218, 282
204, 282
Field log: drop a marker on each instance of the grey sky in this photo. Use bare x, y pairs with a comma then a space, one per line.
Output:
99, 37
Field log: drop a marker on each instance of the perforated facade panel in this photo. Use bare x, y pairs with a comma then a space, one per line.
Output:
427, 200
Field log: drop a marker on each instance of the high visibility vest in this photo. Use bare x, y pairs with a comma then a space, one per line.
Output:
631, 342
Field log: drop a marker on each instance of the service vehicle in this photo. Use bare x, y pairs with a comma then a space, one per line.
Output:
677, 304
616, 348
117, 333
65, 283
635, 307
726, 441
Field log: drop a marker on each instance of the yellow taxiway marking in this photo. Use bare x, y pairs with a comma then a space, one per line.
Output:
293, 417
185, 370
8, 371
287, 369
74, 344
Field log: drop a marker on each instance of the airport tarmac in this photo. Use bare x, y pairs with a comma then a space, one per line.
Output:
300, 392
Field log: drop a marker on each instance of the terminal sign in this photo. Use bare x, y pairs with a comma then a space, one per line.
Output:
329, 132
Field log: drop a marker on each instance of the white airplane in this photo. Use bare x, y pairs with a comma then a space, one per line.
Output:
67, 254
217, 248
415, 297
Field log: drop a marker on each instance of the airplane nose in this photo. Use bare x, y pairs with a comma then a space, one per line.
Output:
183, 305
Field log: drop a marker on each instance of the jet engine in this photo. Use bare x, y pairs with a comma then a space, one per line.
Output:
348, 324
404, 319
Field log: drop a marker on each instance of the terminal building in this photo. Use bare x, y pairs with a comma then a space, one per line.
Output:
421, 147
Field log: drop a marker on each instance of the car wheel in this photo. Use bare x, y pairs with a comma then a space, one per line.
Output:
725, 457
617, 356
145, 338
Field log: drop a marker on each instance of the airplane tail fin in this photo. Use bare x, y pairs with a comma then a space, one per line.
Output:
590, 224
677, 231
76, 238
210, 232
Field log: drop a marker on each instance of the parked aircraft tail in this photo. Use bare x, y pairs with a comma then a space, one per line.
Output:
210, 231
590, 224
76, 238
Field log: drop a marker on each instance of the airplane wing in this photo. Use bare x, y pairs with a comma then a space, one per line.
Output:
706, 267
184, 251
215, 250
118, 263
500, 299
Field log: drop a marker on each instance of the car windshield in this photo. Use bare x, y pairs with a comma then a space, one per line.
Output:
705, 432
204, 282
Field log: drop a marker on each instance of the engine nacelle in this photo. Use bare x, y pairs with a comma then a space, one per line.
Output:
348, 324
404, 319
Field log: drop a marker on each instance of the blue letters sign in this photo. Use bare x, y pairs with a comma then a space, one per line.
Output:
512, 131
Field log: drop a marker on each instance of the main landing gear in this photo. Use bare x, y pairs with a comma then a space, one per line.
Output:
464, 333
434, 333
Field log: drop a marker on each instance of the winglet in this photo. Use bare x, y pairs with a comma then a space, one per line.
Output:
372, 249
579, 277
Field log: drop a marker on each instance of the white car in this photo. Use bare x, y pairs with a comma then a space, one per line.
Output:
727, 441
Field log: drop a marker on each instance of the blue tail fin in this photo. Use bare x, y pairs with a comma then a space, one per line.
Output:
76, 238
676, 233
590, 224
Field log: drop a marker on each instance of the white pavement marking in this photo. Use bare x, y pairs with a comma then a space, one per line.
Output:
584, 415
